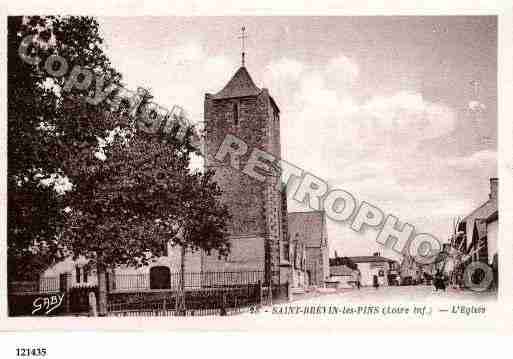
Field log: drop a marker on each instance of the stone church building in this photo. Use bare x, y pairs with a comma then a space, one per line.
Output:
243, 110
260, 239
287, 247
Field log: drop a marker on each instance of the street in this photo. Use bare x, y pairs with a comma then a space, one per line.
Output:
418, 293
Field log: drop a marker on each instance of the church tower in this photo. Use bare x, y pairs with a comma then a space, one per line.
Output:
243, 110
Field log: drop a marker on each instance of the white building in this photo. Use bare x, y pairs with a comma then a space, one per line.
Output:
372, 267
341, 276
161, 271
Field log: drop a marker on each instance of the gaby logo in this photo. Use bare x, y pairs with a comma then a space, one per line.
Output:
47, 304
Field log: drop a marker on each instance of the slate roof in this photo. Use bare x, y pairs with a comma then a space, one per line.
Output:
480, 225
240, 85
493, 217
483, 211
369, 259
341, 270
475, 222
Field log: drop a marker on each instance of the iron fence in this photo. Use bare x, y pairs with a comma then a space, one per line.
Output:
199, 302
43, 285
192, 280
49, 284
207, 293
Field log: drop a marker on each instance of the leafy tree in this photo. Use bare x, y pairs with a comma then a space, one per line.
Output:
131, 192
143, 195
38, 135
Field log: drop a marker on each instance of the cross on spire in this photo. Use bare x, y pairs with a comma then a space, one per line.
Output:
243, 37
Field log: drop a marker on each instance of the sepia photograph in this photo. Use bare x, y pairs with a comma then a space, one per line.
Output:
251, 166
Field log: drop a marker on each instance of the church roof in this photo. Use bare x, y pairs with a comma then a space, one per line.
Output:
240, 85
480, 225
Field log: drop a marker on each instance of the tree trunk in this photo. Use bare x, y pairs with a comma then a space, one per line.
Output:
180, 306
102, 289
182, 269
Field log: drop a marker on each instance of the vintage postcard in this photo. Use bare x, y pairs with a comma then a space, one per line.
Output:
246, 172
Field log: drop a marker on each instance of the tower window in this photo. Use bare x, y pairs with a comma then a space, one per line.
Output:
286, 251
236, 114
77, 274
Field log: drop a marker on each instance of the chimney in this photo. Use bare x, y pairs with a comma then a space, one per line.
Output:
494, 187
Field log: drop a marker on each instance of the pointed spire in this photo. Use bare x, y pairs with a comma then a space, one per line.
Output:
240, 85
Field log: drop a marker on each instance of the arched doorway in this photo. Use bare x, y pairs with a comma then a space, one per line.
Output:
160, 277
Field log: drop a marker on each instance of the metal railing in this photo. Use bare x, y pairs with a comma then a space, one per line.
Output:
43, 285
192, 280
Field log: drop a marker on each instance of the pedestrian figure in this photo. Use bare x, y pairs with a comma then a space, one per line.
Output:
358, 279
93, 311
375, 282
439, 281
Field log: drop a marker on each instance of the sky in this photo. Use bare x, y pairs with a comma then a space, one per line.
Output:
399, 111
